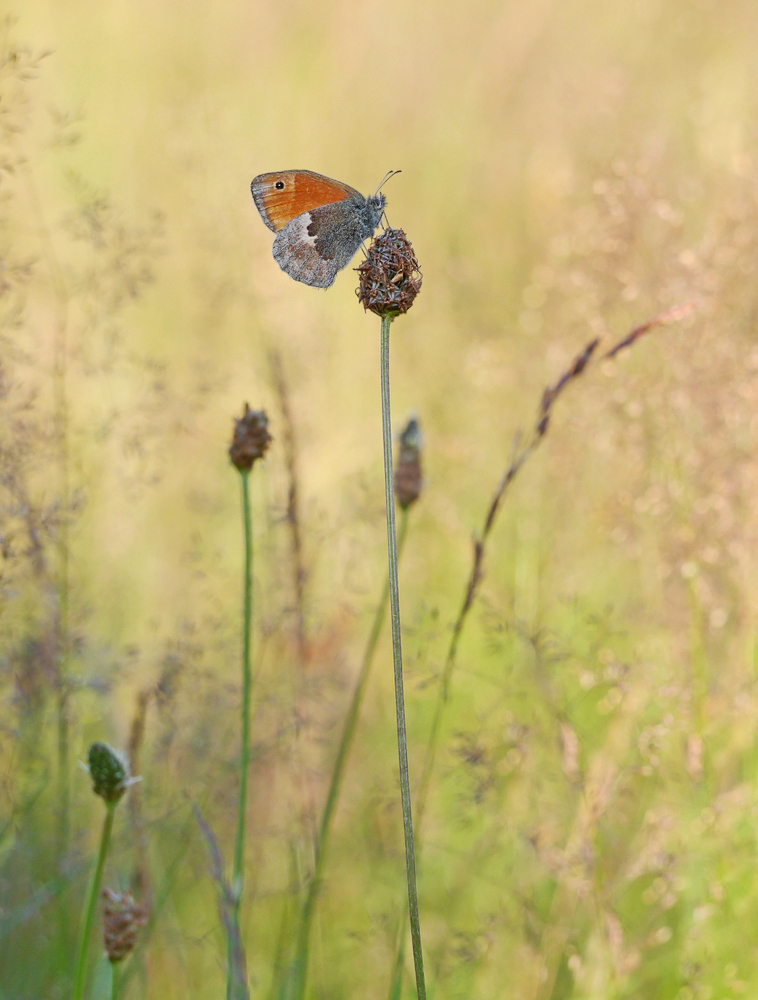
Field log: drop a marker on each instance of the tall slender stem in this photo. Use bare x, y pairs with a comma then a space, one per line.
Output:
300, 970
247, 614
238, 875
402, 740
89, 913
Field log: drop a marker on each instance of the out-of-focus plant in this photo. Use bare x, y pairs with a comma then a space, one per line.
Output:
110, 780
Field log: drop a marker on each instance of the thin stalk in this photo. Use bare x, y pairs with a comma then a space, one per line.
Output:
247, 617
284, 978
396, 983
238, 877
236, 981
89, 913
300, 972
114, 980
397, 655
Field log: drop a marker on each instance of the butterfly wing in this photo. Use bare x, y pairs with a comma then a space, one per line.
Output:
314, 246
296, 254
282, 196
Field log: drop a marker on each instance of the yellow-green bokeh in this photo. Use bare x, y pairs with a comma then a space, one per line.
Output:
568, 169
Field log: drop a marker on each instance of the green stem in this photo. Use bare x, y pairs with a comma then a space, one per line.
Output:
396, 983
94, 888
238, 878
247, 610
300, 971
114, 980
397, 654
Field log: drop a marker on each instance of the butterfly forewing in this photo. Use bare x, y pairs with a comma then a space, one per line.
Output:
282, 196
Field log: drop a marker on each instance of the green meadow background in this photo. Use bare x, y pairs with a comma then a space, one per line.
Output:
569, 170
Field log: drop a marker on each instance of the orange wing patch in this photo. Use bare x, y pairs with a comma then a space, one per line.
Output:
280, 197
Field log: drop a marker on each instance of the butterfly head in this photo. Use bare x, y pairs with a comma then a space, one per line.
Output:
376, 202
375, 209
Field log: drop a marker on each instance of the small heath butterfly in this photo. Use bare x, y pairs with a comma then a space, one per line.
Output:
319, 223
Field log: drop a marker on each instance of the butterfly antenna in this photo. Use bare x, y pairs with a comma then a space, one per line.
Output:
390, 173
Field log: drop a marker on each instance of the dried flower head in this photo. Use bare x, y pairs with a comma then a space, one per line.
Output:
390, 278
250, 439
109, 772
122, 918
408, 479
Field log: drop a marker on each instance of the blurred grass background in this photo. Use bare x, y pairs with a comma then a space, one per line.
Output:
567, 170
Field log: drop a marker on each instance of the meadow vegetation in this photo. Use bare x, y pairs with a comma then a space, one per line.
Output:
583, 743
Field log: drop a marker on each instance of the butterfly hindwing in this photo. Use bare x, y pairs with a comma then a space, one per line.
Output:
295, 252
318, 244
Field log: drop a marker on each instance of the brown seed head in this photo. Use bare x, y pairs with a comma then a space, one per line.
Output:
408, 479
390, 278
250, 439
122, 918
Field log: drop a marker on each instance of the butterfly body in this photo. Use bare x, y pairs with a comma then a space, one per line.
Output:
319, 222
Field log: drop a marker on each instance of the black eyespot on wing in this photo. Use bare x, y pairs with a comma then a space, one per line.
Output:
279, 185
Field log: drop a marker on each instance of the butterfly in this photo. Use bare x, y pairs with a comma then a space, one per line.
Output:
319, 222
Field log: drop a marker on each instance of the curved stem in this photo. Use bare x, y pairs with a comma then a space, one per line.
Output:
402, 740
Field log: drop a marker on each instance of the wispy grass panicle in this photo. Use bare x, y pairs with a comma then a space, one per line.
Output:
523, 448
390, 280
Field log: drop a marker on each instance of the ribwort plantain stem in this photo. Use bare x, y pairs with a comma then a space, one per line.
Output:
402, 741
300, 972
247, 613
92, 895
